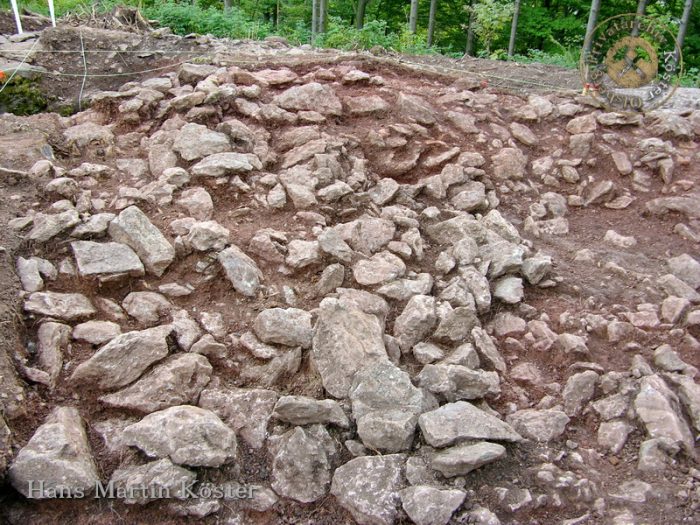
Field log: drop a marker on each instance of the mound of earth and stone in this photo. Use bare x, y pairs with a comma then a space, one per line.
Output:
375, 296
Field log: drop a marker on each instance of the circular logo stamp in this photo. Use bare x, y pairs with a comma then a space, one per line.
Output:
633, 65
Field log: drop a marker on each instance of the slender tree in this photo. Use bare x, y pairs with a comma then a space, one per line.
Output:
431, 22
323, 17
360, 13
514, 29
227, 6
683, 28
469, 51
413, 19
314, 20
641, 7
592, 19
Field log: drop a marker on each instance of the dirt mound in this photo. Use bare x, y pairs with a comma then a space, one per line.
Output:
368, 291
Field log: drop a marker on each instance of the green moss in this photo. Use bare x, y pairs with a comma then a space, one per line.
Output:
22, 97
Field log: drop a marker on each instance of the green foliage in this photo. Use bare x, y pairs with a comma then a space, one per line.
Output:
567, 60
185, 18
22, 96
491, 17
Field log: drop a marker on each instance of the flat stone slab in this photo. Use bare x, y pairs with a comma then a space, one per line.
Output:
460, 421
100, 258
67, 306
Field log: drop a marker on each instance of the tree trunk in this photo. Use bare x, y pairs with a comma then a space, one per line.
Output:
227, 6
360, 14
470, 35
641, 7
683, 28
323, 17
279, 12
431, 22
314, 20
592, 19
514, 29
413, 19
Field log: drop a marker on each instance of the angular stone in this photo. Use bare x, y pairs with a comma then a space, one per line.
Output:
133, 228
426, 353
539, 425
195, 141
241, 270
368, 487
94, 258
578, 391
197, 202
331, 242
509, 290
427, 505
59, 455
378, 269
386, 406
247, 411
686, 269
52, 339
415, 108
462, 459
187, 435
612, 435
345, 340
66, 306
416, 322
509, 164
46, 227
367, 234
289, 327
207, 235
124, 358
310, 97
154, 478
583, 124
673, 286
302, 253
301, 469
487, 350
404, 289
460, 421
331, 279
146, 307
177, 380
29, 275
299, 410
96, 332
659, 410
457, 325
622, 162
455, 382
224, 164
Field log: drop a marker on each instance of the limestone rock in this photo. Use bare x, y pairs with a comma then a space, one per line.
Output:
462, 459
177, 380
301, 469
247, 411
385, 405
289, 327
460, 421
299, 410
96, 332
378, 269
133, 228
539, 425
66, 306
310, 97
160, 476
195, 141
224, 164
95, 258
455, 382
427, 505
578, 391
416, 322
345, 340
124, 358
187, 435
59, 455
241, 270
659, 410
368, 487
